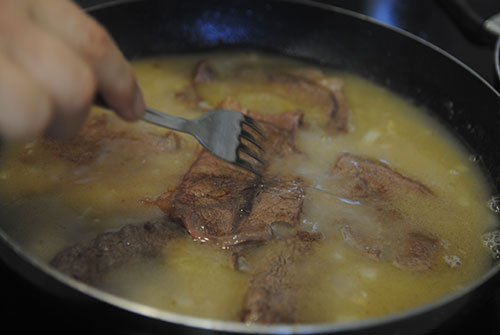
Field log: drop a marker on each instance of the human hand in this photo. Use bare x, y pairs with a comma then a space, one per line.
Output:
53, 60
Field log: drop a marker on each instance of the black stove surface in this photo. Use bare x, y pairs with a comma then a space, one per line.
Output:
27, 308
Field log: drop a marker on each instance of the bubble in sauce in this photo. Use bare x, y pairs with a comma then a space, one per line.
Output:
449, 105
492, 241
494, 204
453, 260
474, 158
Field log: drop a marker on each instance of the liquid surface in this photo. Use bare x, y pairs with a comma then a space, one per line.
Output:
49, 203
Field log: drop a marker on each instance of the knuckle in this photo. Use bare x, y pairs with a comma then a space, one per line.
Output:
85, 86
88, 86
100, 42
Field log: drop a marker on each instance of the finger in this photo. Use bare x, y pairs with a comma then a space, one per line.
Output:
26, 107
68, 79
115, 78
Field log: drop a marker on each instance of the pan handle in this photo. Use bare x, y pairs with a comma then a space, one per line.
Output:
477, 29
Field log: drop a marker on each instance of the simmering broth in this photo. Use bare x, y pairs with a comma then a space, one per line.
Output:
52, 199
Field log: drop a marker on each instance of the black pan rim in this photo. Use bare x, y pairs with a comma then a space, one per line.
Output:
235, 326
497, 58
231, 326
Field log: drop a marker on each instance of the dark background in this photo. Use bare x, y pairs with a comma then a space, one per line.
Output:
27, 308
426, 19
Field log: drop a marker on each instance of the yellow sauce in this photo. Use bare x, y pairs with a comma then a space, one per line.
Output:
49, 204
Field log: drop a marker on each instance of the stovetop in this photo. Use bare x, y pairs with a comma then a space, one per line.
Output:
26, 307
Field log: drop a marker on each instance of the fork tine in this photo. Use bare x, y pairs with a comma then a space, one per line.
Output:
249, 137
247, 166
253, 125
249, 152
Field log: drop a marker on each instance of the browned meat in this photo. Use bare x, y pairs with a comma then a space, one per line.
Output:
360, 178
202, 72
287, 121
230, 103
368, 245
87, 145
300, 85
89, 261
84, 147
386, 234
280, 130
325, 92
279, 201
270, 297
214, 199
418, 253
340, 113
211, 199
407, 249
189, 97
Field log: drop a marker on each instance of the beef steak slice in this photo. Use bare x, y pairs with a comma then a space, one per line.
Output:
388, 236
224, 205
89, 261
270, 297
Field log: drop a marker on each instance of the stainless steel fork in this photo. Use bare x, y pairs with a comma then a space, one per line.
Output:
221, 132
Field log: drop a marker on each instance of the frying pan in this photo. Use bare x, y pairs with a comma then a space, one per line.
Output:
456, 96
478, 29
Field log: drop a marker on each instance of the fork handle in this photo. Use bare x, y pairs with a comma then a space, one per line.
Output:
153, 116
165, 120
